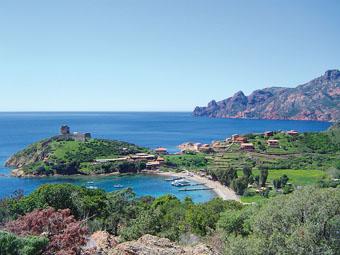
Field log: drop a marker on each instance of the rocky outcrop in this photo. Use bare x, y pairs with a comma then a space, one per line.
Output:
103, 243
33, 153
318, 99
153, 245
100, 242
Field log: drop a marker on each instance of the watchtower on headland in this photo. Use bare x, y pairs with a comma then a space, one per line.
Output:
64, 130
76, 136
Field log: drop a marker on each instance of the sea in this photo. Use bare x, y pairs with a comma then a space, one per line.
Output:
149, 129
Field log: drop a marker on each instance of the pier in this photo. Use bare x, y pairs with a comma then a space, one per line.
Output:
195, 189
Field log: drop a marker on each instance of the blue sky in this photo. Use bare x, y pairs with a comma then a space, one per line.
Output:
158, 55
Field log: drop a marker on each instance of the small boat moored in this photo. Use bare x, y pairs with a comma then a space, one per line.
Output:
173, 179
180, 183
118, 186
92, 187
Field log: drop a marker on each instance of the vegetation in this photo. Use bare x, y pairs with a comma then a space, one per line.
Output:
305, 222
11, 244
309, 218
188, 161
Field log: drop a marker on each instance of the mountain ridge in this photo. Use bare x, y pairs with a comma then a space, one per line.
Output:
318, 99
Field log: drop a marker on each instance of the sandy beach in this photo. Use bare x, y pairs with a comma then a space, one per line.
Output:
222, 191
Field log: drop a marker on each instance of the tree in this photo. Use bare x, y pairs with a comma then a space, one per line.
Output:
120, 209
233, 221
277, 184
240, 184
203, 217
225, 176
263, 177
284, 179
81, 201
247, 171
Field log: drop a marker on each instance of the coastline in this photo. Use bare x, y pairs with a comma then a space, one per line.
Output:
221, 191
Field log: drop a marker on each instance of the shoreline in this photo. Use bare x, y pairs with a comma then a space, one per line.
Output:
221, 191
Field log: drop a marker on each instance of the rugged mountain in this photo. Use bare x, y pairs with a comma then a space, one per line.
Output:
318, 99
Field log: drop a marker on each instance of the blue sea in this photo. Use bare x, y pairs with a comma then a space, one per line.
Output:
149, 129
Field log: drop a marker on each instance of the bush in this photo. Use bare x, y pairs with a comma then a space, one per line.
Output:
66, 235
11, 244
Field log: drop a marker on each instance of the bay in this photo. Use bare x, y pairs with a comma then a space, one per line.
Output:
149, 129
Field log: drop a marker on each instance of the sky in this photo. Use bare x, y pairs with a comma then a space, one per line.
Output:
158, 55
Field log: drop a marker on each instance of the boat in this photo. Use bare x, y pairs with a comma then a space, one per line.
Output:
173, 179
92, 187
90, 182
118, 186
180, 183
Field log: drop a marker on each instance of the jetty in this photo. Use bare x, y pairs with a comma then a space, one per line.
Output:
195, 189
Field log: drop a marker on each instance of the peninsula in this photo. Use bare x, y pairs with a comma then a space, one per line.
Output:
77, 153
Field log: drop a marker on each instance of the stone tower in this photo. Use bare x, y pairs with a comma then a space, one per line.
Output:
64, 130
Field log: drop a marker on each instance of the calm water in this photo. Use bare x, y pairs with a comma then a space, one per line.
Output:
18, 130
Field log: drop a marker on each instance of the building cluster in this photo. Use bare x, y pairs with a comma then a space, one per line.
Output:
152, 161
245, 145
77, 136
195, 147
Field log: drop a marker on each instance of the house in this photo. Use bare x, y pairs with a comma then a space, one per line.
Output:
292, 132
186, 146
190, 147
161, 151
160, 160
247, 147
197, 146
273, 143
142, 156
153, 165
205, 148
215, 144
228, 139
240, 139
268, 133
234, 136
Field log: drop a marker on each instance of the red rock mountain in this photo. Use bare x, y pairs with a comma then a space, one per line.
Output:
318, 99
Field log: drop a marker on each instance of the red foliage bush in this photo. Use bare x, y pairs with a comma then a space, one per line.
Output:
65, 233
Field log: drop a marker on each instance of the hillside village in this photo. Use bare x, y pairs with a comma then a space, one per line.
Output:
242, 140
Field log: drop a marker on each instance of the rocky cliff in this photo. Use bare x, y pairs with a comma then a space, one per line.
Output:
318, 99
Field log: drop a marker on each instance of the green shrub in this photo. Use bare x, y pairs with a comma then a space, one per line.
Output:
11, 244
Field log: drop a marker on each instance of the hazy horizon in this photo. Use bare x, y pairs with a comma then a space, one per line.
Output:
158, 56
